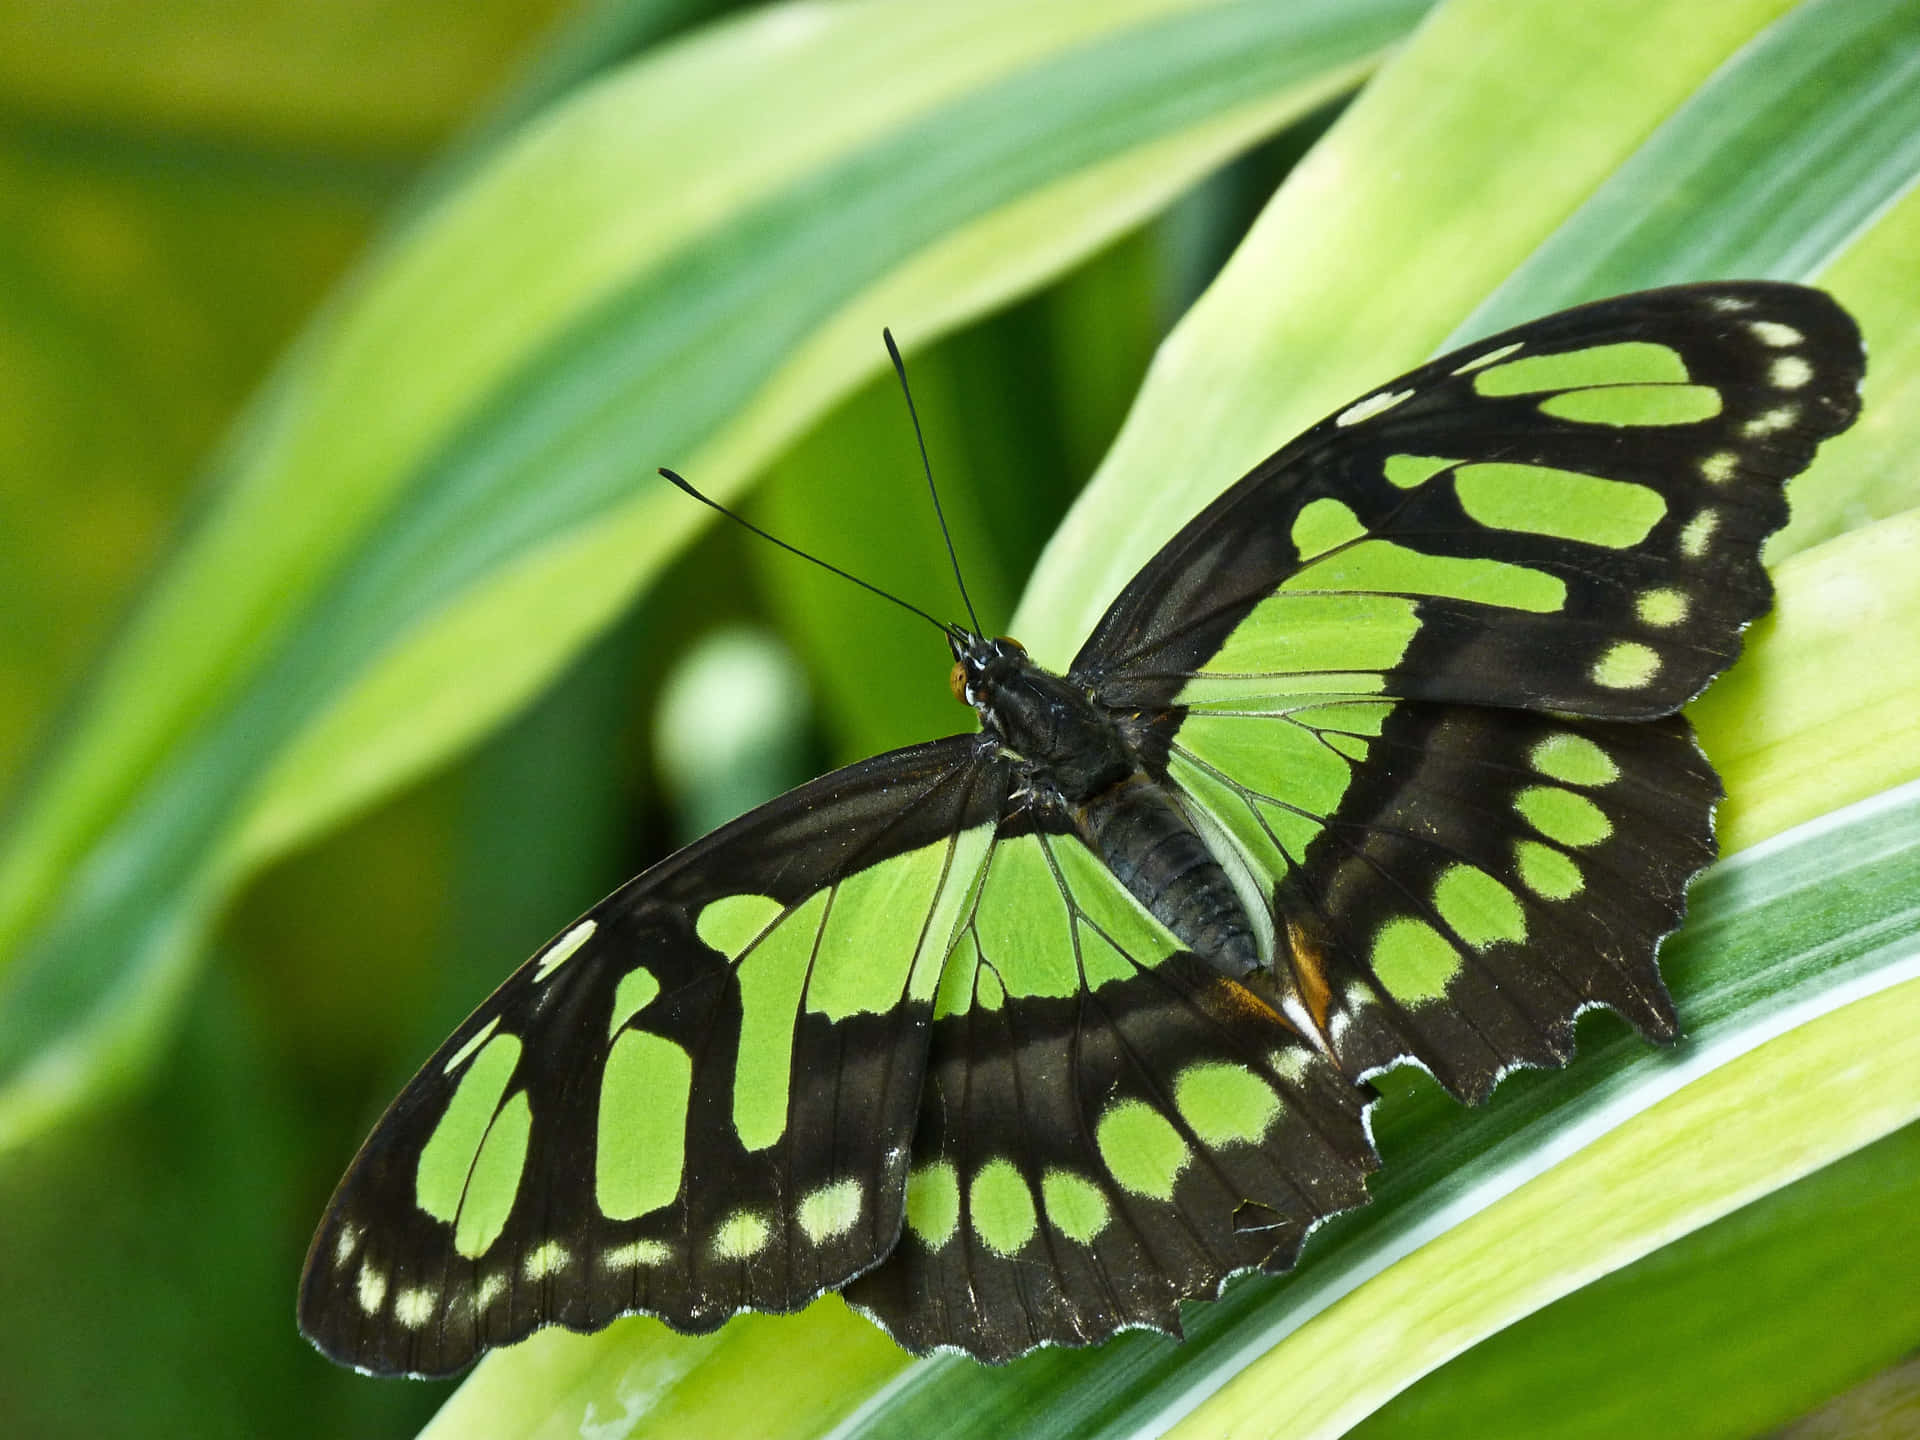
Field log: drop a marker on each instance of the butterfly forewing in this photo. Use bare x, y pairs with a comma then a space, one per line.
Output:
1566, 516
698, 1099
1109, 1126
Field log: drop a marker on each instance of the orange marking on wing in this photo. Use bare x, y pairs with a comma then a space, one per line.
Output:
1304, 958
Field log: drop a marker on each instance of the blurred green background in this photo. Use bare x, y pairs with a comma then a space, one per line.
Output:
188, 189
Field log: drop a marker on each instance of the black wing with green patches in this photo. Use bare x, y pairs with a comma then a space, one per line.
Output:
1566, 516
1484, 876
698, 1099
1396, 659
1109, 1126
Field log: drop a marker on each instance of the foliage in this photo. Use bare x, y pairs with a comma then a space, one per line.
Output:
432, 518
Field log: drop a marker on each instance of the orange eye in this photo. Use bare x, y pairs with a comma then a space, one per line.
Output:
957, 682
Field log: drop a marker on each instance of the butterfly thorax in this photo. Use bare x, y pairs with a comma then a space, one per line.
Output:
1079, 772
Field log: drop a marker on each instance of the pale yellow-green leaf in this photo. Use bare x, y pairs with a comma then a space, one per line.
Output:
1824, 708
1871, 470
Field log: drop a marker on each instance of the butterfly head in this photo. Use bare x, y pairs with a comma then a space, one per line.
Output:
981, 666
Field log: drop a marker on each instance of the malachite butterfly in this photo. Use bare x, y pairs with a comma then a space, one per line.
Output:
1025, 1036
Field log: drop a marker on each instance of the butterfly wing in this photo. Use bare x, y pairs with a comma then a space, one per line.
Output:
1393, 663
1108, 1126
698, 1099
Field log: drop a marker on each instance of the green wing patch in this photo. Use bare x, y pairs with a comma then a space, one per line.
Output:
1109, 1127
633, 1121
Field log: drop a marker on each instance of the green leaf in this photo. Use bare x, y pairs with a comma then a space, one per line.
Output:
444, 494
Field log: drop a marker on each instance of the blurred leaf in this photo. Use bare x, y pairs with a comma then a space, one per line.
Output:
350, 76
133, 1235
178, 185
436, 503
728, 733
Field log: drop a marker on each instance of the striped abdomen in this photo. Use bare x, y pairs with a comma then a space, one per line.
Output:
1159, 857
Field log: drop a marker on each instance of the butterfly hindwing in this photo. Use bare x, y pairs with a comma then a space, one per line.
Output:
698, 1099
1109, 1126
1566, 516
1456, 883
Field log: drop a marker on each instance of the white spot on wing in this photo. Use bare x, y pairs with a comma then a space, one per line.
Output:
1772, 421
638, 1254
546, 1259
344, 1244
831, 1210
1699, 530
1290, 1064
371, 1289
741, 1236
1373, 405
413, 1308
1720, 466
1487, 359
491, 1289
1731, 304
1772, 332
1790, 372
558, 953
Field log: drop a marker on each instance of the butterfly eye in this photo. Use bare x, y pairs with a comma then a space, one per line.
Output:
1007, 642
957, 682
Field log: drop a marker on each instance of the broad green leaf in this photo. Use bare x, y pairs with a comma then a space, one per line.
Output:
444, 494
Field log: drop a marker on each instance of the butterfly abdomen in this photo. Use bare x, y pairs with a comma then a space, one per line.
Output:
1146, 841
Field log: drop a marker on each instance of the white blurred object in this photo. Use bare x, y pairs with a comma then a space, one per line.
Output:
731, 727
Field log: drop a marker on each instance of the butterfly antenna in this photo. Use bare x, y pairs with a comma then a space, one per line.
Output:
900, 369
946, 629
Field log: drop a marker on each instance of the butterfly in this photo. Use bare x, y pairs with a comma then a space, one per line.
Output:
1027, 1035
